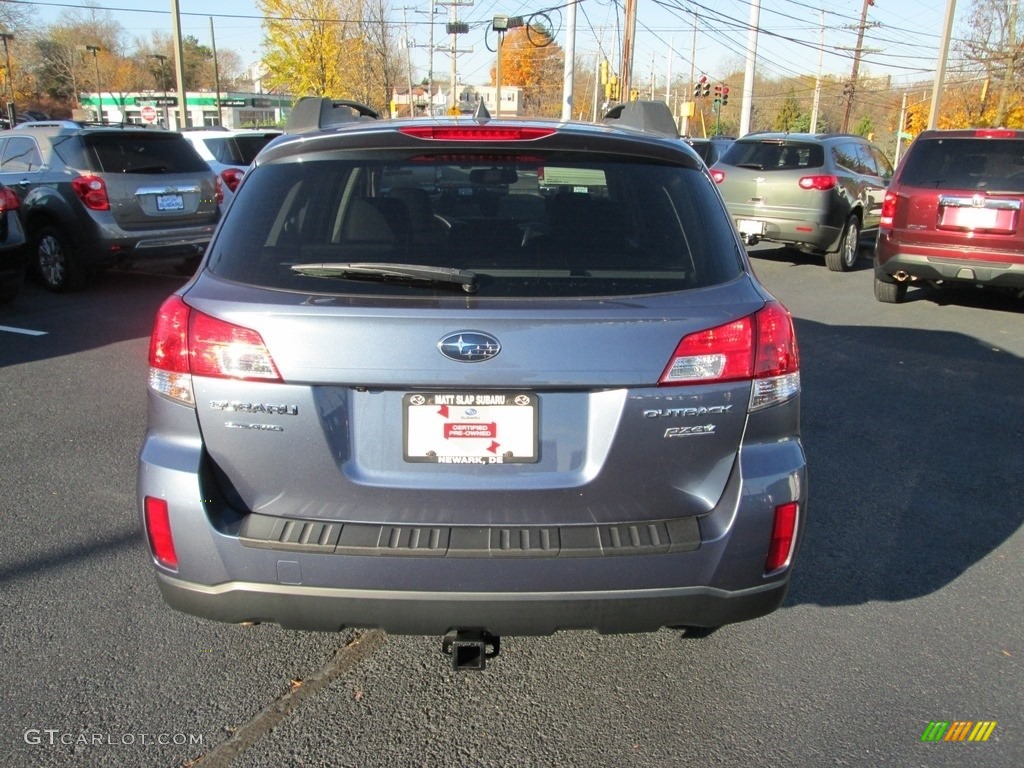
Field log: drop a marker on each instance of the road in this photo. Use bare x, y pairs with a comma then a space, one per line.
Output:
907, 605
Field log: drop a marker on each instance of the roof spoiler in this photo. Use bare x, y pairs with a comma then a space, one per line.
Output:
312, 113
646, 116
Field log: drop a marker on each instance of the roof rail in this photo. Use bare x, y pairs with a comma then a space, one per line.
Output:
646, 116
312, 113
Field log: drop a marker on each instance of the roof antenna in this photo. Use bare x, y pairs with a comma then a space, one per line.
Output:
480, 114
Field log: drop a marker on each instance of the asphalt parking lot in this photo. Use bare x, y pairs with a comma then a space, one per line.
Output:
906, 606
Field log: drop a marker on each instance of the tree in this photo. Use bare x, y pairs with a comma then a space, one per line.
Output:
313, 47
788, 115
991, 49
531, 60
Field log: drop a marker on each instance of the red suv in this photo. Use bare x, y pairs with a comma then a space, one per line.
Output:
952, 213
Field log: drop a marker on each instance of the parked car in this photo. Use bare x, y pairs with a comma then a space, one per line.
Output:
229, 152
817, 193
952, 214
94, 196
13, 253
710, 150
413, 387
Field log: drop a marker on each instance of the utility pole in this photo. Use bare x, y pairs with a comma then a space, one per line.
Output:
747, 105
408, 59
94, 50
817, 80
626, 65
179, 64
852, 87
693, 75
455, 28
940, 74
216, 71
569, 69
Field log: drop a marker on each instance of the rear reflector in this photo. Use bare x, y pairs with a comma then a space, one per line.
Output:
158, 531
780, 550
476, 132
761, 347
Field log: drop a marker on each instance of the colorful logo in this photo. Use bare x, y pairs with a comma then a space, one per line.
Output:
958, 730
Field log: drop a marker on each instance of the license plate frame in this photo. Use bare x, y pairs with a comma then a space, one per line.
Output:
470, 428
170, 202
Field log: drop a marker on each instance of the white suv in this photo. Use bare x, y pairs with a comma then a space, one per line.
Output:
229, 152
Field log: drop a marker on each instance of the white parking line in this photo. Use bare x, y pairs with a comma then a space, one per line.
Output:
24, 331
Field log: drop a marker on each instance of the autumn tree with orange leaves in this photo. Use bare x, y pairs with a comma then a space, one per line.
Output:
531, 60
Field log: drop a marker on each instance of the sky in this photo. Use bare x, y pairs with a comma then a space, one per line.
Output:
901, 40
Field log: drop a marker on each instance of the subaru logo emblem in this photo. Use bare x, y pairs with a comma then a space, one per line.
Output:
469, 346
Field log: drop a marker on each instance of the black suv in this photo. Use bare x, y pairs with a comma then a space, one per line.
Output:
93, 196
818, 193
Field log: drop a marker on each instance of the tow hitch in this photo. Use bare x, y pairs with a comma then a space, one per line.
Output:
470, 648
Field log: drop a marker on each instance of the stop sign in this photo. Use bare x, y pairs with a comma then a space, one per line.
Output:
149, 113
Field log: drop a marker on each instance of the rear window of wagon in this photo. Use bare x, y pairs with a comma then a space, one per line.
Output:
570, 225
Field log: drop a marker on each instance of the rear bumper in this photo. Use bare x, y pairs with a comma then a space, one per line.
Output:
435, 613
893, 259
807, 234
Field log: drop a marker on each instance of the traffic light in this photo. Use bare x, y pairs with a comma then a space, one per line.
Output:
603, 69
725, 95
700, 87
707, 86
718, 94
634, 94
611, 90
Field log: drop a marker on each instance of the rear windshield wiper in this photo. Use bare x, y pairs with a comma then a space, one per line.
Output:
385, 271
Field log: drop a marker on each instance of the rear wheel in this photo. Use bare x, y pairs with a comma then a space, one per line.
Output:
890, 291
56, 262
844, 259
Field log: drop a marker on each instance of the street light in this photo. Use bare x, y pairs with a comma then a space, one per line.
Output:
95, 49
163, 80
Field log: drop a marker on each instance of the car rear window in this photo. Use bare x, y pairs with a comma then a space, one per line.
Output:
965, 163
526, 226
148, 153
774, 155
237, 150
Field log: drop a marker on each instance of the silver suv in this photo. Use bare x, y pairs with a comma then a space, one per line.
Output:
473, 379
818, 193
94, 196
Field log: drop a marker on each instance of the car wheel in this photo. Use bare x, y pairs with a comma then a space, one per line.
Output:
890, 291
56, 263
844, 259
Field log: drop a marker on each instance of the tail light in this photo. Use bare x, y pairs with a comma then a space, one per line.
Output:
476, 132
231, 177
92, 191
888, 210
780, 549
187, 343
8, 200
219, 193
760, 347
822, 183
717, 175
158, 532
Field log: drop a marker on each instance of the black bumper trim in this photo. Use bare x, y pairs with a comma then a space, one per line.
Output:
640, 538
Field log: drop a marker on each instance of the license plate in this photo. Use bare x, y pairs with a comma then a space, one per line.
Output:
969, 218
470, 427
750, 227
170, 203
